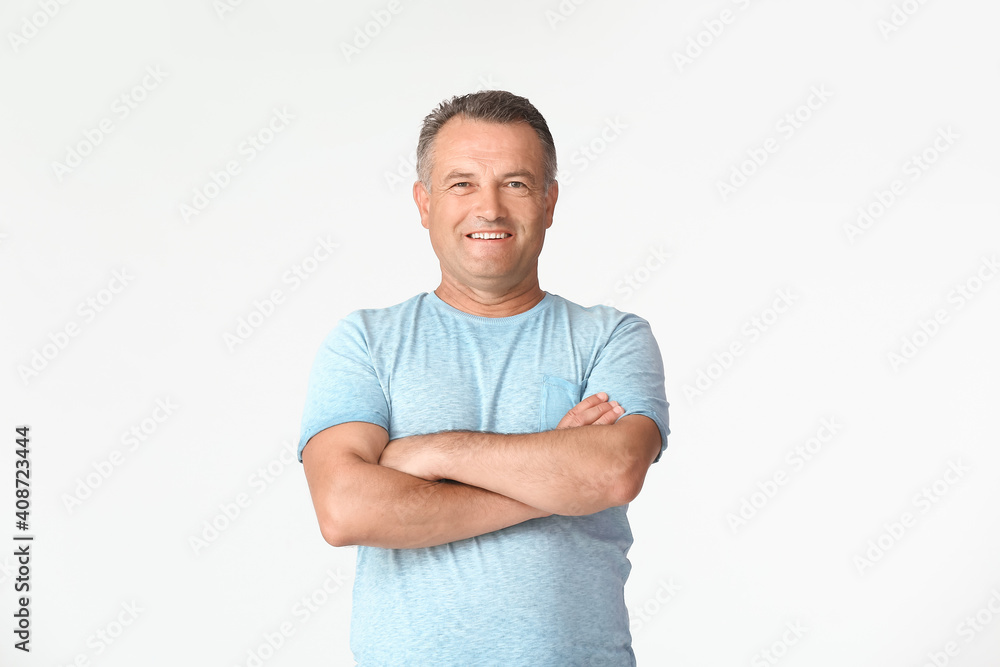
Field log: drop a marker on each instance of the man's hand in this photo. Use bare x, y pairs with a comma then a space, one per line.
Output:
414, 454
595, 409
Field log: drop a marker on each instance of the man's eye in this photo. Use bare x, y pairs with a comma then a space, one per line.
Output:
516, 184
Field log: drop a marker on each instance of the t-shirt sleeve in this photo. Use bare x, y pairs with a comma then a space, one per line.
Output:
343, 385
630, 370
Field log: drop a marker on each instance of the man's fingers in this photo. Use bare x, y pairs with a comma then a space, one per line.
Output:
589, 402
595, 409
593, 414
576, 415
604, 412
609, 413
612, 415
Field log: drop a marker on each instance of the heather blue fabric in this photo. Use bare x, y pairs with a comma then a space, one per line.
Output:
548, 591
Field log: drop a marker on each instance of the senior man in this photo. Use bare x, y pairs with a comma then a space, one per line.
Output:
480, 443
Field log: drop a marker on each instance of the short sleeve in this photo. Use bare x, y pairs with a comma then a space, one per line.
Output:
343, 385
630, 370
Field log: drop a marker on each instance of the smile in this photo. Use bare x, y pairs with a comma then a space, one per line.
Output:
488, 236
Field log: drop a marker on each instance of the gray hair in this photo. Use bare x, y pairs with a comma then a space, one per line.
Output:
491, 106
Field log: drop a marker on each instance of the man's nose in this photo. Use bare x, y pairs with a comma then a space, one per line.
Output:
489, 205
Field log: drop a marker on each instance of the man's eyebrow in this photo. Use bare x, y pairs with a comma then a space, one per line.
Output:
458, 174
525, 174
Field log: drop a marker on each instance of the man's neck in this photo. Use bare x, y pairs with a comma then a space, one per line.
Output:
488, 304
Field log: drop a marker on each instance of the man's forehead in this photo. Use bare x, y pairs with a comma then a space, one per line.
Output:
487, 145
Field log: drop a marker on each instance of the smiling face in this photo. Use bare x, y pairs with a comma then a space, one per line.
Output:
487, 209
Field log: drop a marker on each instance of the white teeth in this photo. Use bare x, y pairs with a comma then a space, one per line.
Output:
491, 235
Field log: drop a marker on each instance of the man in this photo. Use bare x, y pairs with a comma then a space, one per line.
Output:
449, 436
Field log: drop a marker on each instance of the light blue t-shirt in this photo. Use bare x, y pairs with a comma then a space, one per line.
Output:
545, 592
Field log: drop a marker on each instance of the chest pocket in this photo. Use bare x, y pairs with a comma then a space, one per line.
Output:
558, 397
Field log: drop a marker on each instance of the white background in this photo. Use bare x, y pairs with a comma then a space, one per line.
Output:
816, 552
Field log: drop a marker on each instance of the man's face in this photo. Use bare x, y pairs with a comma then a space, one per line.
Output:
487, 178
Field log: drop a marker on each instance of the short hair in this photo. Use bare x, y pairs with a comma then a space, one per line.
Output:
491, 106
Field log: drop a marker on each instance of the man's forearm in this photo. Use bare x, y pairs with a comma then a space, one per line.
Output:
568, 471
380, 507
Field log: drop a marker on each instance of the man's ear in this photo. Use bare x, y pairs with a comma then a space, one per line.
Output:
550, 202
423, 201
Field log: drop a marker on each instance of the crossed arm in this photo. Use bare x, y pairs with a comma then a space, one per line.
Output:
426, 490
